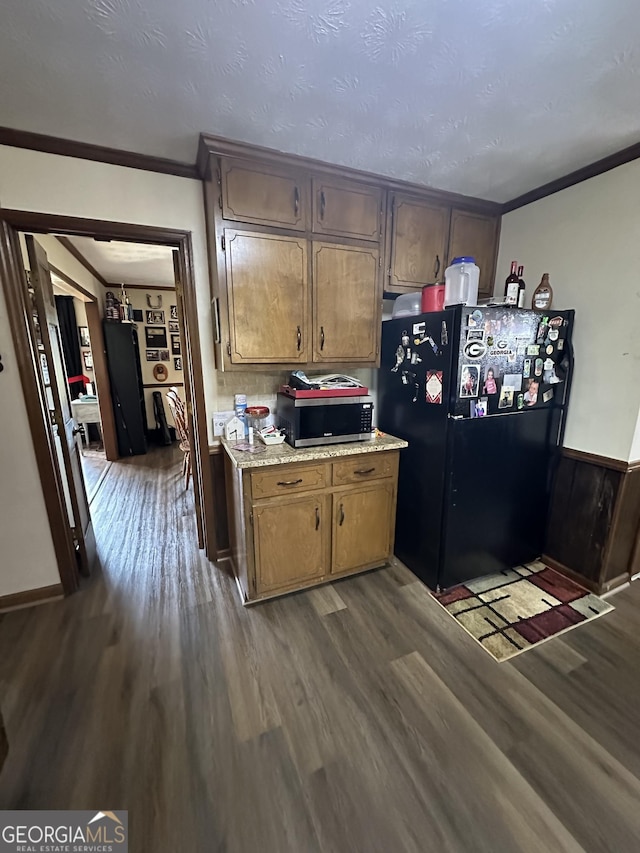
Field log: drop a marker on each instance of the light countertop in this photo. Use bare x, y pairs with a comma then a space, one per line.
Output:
281, 454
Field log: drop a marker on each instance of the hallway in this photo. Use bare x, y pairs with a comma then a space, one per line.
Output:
355, 717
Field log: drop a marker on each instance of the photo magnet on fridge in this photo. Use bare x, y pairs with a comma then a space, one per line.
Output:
548, 395
512, 380
531, 394
526, 370
478, 408
506, 398
534, 349
489, 386
475, 335
470, 380
433, 386
538, 367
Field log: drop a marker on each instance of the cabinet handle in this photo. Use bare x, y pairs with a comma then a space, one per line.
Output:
317, 518
299, 336
289, 482
296, 200
437, 266
322, 204
321, 338
365, 471
216, 317
341, 515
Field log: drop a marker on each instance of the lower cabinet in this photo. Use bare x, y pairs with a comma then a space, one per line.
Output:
336, 518
291, 542
363, 526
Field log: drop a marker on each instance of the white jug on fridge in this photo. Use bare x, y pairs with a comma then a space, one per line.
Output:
461, 282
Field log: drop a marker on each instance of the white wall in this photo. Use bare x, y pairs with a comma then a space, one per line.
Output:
587, 238
31, 180
27, 557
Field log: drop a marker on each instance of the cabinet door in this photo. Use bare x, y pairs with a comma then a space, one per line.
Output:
255, 192
267, 287
476, 235
347, 302
346, 209
291, 542
363, 524
418, 242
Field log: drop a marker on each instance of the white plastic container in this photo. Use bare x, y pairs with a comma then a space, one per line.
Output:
408, 304
461, 282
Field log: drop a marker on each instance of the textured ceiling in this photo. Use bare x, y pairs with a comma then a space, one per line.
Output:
485, 97
131, 263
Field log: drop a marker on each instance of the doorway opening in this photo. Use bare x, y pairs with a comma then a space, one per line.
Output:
78, 392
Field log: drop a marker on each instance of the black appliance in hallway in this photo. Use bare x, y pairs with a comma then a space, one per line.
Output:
127, 391
480, 394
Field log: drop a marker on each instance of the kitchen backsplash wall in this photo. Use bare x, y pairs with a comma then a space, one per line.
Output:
261, 387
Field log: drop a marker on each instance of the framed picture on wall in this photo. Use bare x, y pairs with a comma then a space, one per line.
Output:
173, 312
155, 337
175, 345
152, 355
87, 357
163, 355
177, 363
174, 326
84, 336
155, 318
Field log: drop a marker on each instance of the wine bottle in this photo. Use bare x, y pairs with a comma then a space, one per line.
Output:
521, 286
512, 286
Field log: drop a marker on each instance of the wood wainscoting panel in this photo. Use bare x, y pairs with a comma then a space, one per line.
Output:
594, 521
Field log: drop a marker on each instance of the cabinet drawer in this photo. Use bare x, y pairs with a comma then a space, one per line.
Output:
363, 468
286, 479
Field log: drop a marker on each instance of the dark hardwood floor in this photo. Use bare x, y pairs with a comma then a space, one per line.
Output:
356, 717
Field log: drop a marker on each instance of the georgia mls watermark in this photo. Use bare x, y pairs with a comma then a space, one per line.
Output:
64, 832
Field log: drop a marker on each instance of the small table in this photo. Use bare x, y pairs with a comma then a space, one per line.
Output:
86, 412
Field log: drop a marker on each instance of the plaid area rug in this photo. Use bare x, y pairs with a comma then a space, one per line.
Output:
520, 608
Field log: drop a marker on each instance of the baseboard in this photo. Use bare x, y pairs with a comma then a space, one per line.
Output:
29, 597
565, 570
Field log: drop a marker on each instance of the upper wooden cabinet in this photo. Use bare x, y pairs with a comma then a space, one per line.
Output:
347, 302
264, 194
267, 290
476, 235
346, 209
419, 234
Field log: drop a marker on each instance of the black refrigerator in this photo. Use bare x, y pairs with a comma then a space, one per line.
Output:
480, 394
127, 390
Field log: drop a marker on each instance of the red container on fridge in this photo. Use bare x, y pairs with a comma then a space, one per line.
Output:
432, 298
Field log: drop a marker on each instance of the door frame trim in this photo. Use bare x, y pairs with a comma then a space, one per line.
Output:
12, 221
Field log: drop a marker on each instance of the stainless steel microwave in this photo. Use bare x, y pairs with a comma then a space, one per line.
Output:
310, 421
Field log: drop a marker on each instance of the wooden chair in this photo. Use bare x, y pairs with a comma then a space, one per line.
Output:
179, 412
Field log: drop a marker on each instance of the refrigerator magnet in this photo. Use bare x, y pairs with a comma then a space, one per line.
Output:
469, 380
506, 398
560, 344
489, 386
475, 335
444, 335
512, 380
549, 349
475, 318
538, 367
556, 322
526, 370
433, 386
531, 394
520, 401
478, 408
420, 329
554, 334
534, 349
548, 395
